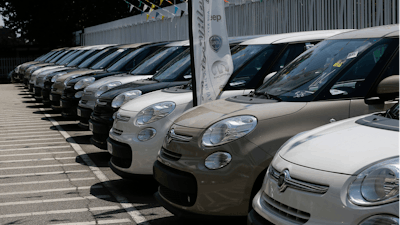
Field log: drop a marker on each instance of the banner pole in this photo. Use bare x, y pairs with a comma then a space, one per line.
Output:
192, 66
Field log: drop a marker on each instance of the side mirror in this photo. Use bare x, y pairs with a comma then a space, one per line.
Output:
389, 85
188, 76
269, 76
237, 83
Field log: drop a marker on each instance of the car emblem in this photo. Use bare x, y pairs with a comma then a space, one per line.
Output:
282, 180
215, 42
169, 139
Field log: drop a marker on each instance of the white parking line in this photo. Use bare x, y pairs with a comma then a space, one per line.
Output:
47, 181
41, 166
55, 200
52, 190
30, 143
61, 211
31, 136
41, 174
23, 126
36, 129
35, 148
40, 153
129, 208
25, 123
98, 222
22, 120
32, 132
36, 160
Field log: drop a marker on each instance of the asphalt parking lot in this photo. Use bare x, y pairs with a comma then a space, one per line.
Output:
51, 174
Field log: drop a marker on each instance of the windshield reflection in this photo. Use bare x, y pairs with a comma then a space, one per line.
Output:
311, 70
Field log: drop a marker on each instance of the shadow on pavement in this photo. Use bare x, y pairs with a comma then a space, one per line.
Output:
68, 127
101, 159
59, 118
82, 140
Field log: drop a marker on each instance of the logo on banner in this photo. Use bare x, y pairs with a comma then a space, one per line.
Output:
216, 42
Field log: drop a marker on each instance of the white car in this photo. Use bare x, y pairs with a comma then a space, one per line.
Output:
346, 172
94, 90
141, 124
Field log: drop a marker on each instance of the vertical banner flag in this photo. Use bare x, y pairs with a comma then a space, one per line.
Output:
210, 53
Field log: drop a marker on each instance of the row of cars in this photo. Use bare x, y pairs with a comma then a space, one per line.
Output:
304, 132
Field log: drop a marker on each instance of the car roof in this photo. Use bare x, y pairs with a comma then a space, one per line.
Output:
295, 37
371, 32
178, 43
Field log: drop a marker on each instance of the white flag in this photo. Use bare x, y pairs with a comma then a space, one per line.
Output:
212, 60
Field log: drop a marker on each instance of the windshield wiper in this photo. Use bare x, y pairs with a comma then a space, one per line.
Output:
269, 96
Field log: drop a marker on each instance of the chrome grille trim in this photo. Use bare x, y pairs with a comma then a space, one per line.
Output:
178, 137
98, 102
298, 184
289, 213
117, 131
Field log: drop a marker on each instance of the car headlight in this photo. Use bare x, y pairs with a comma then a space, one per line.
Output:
217, 160
106, 87
84, 83
377, 185
147, 134
380, 220
154, 112
228, 130
79, 94
70, 78
55, 77
125, 97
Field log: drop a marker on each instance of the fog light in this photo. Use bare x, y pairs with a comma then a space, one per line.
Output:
79, 94
381, 220
218, 160
147, 134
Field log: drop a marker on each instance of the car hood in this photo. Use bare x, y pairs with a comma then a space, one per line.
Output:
204, 115
52, 70
79, 72
341, 147
123, 78
179, 97
45, 69
145, 86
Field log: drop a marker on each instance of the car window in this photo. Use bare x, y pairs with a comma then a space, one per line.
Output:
351, 82
106, 61
96, 57
393, 68
82, 57
291, 52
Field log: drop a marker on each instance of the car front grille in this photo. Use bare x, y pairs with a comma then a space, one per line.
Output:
293, 215
170, 155
117, 132
180, 198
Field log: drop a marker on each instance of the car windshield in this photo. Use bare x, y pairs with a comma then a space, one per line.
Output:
243, 53
60, 56
89, 61
108, 59
124, 60
80, 58
68, 59
53, 56
310, 71
175, 68
157, 60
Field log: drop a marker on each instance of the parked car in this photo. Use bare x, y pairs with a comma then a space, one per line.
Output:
151, 58
56, 61
215, 155
20, 70
49, 79
68, 66
175, 73
314, 179
142, 71
133, 153
61, 80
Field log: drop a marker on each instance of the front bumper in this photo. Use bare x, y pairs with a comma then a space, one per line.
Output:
255, 219
38, 93
292, 205
100, 133
84, 116
222, 192
55, 101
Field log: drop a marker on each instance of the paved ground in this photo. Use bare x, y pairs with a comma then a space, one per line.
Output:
51, 174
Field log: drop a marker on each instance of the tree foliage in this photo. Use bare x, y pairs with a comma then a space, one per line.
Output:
52, 22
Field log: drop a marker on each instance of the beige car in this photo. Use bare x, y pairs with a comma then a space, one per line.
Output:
215, 156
